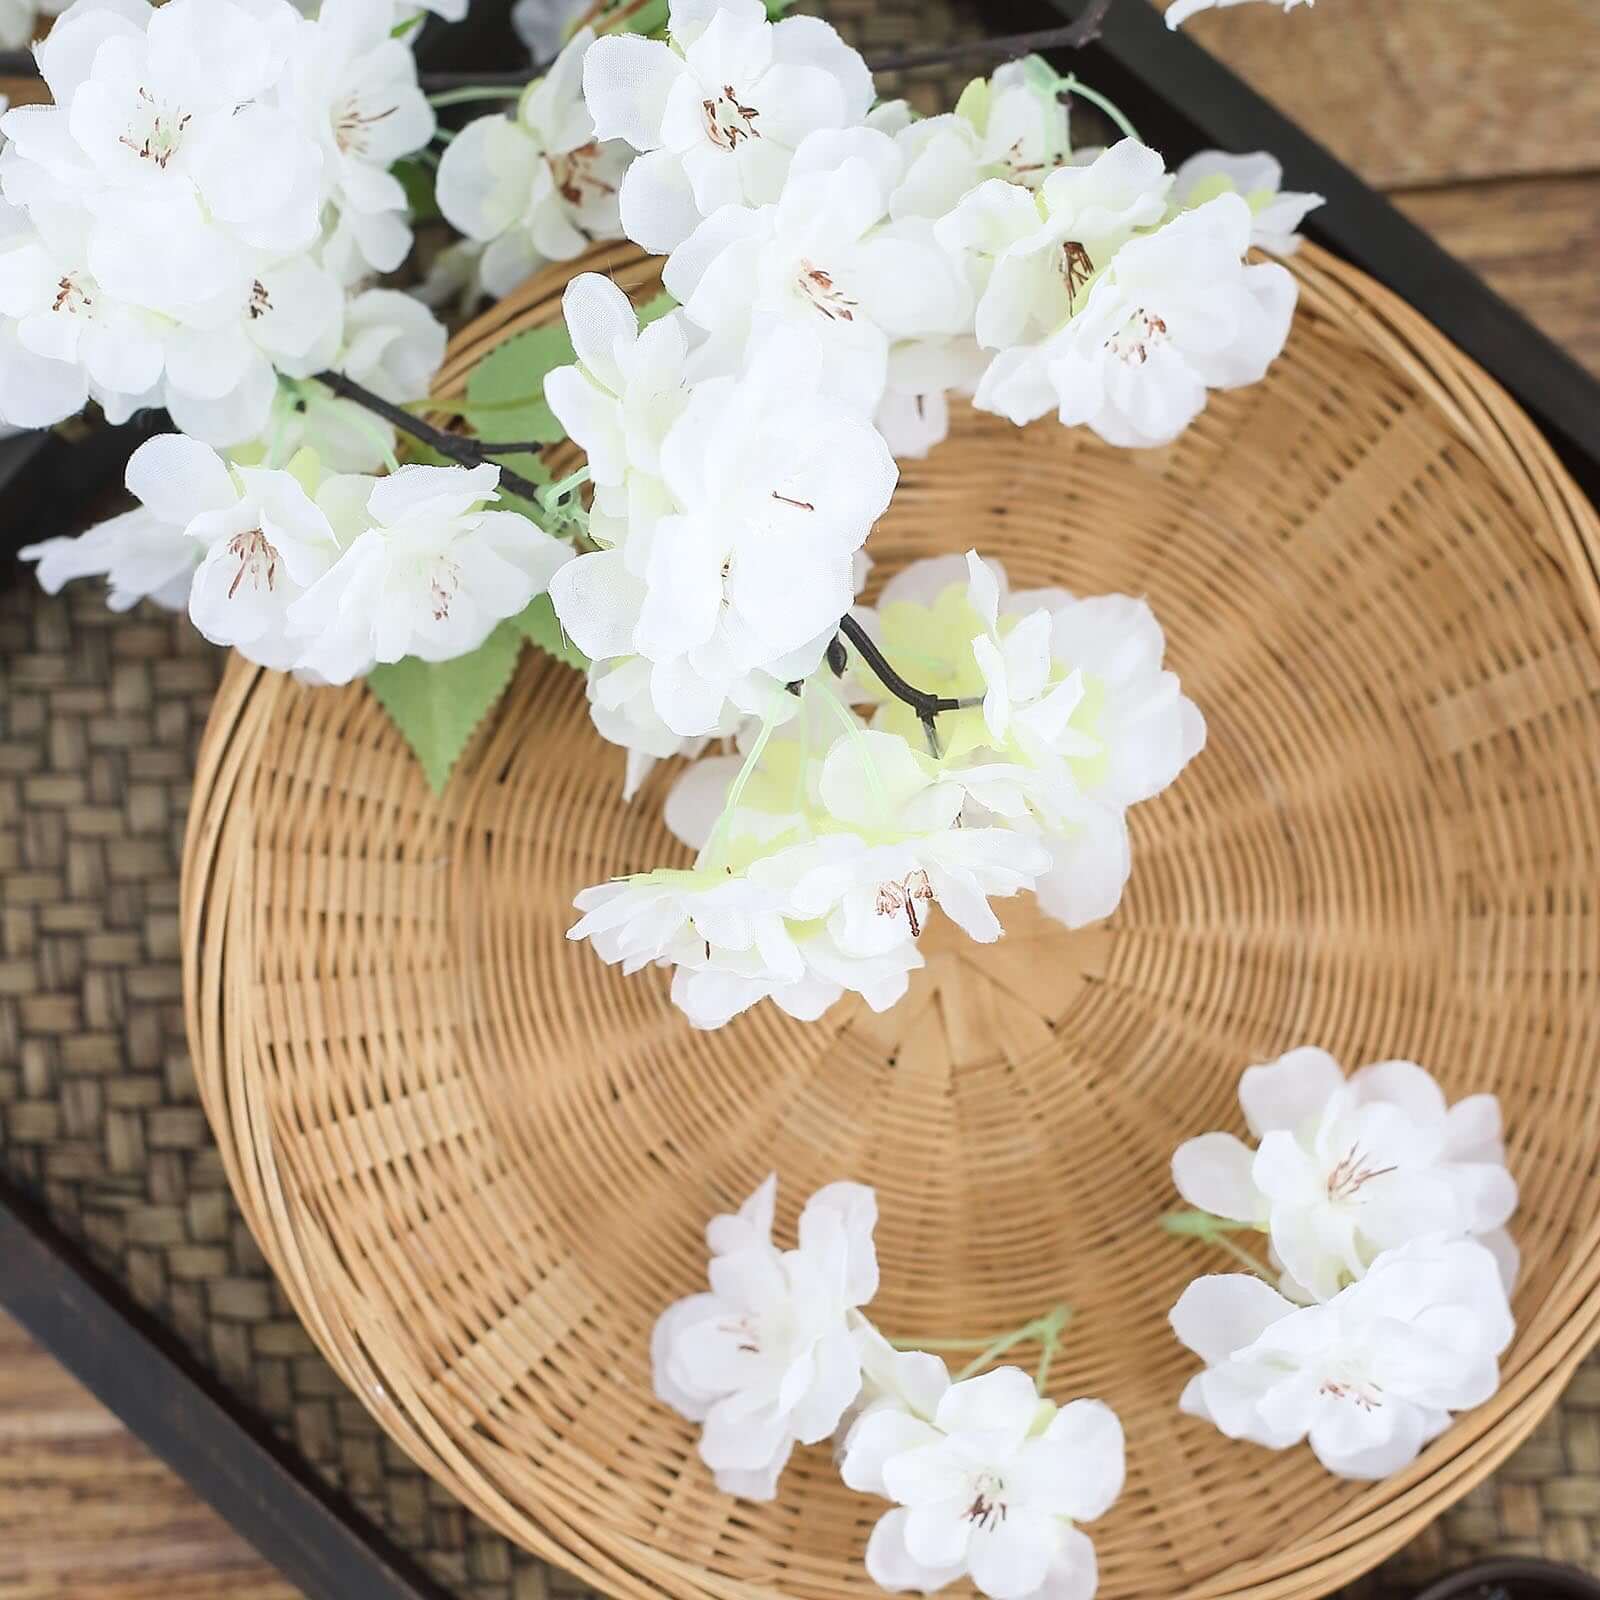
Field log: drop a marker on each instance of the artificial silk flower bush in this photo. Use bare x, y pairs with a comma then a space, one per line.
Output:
837, 268
204, 220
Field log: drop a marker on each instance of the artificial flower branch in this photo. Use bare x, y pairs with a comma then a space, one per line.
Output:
456, 447
1009, 46
927, 706
1071, 36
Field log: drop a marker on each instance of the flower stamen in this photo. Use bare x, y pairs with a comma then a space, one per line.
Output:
1350, 1175
571, 170
817, 285
257, 557
350, 127
1077, 267
728, 119
893, 898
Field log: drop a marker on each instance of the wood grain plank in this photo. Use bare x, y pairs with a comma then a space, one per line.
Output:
86, 1510
1412, 91
1537, 242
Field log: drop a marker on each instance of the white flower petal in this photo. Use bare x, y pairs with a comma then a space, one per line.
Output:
1285, 1092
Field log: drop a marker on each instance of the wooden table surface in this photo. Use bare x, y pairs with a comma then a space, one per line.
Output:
1481, 118
87, 1513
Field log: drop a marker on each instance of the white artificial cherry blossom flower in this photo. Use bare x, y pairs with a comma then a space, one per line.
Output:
1072, 717
719, 110
145, 554
729, 928
1012, 125
1370, 1376
622, 711
216, 375
221, 379
393, 345
1042, 252
540, 186
36, 390
1275, 212
1347, 1169
426, 571
617, 403
60, 316
903, 852
1177, 312
265, 541
255, 541
671, 915
770, 1357
990, 1485
154, 258
773, 491
823, 260
353, 86
1181, 10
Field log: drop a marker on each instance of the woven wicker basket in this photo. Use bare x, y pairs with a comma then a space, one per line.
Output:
480, 1160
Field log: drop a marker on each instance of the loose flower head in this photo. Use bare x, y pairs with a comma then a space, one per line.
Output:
1346, 1169
771, 1356
1369, 1377
989, 1482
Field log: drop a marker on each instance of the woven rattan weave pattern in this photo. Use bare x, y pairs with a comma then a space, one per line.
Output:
480, 1160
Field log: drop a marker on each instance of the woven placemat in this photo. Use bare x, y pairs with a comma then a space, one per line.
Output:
100, 717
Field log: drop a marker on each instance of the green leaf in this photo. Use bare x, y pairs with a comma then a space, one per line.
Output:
416, 178
540, 624
438, 704
511, 378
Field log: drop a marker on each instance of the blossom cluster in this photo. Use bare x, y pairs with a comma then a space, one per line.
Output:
299, 568
194, 223
827, 845
1385, 1211
972, 250
986, 1479
183, 226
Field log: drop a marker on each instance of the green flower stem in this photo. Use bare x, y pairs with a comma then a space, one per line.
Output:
1070, 85
1046, 1329
471, 94
374, 435
853, 733
736, 789
1059, 1318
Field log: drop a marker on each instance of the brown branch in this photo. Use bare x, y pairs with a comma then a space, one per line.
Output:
1073, 36
1070, 36
456, 447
